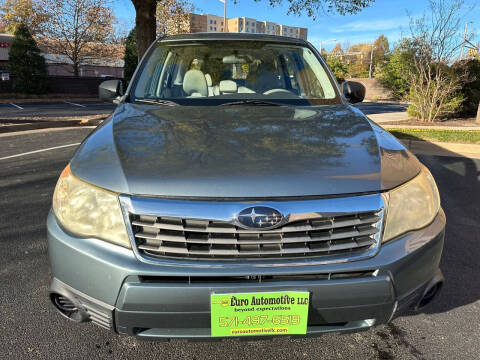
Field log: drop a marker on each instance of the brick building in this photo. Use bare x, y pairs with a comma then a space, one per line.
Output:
214, 23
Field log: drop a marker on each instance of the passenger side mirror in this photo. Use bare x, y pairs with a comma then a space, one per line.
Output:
353, 91
111, 91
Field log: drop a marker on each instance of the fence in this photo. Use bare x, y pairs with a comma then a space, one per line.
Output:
65, 85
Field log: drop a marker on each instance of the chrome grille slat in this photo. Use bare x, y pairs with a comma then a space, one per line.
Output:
316, 228
287, 228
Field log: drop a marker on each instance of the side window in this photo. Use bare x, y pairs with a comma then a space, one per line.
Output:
320, 85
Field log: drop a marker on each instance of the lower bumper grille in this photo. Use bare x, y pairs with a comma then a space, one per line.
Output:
303, 234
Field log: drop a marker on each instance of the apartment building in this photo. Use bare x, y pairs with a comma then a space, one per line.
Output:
213, 23
198, 23
271, 28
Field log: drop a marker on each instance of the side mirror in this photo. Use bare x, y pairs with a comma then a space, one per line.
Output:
353, 91
110, 91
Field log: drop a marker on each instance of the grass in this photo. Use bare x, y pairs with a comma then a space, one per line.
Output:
452, 136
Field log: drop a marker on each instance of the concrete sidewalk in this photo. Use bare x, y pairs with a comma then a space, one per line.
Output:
442, 148
388, 117
386, 120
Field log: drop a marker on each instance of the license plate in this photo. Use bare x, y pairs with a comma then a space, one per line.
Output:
255, 314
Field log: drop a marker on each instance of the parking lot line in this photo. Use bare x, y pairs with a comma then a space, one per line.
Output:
17, 106
38, 151
75, 104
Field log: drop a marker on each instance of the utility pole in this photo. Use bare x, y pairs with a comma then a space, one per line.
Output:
224, 15
370, 73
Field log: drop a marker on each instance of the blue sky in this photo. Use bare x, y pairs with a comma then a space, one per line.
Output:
388, 17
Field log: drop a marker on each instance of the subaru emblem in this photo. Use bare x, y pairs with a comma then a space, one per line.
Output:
259, 217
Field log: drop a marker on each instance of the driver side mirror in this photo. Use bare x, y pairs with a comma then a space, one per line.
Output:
111, 91
353, 91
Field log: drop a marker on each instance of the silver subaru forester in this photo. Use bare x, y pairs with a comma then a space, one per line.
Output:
234, 191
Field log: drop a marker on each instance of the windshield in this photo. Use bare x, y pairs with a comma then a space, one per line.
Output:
216, 72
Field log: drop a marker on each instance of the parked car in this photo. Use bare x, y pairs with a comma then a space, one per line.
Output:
235, 191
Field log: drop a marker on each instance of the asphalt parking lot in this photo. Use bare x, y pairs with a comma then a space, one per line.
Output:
84, 108
53, 109
31, 329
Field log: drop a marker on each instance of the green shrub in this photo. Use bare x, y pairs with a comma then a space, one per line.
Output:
470, 89
338, 68
27, 66
393, 72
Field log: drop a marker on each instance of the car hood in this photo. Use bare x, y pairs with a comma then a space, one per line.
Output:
242, 152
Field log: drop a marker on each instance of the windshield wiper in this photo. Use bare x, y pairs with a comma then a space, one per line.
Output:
252, 102
157, 102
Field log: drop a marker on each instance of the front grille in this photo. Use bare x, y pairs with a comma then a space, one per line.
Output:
160, 236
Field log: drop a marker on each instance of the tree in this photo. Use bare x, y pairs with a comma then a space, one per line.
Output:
131, 56
27, 66
470, 87
80, 29
146, 9
394, 72
145, 23
16, 12
381, 47
173, 17
338, 67
433, 84
313, 7
337, 50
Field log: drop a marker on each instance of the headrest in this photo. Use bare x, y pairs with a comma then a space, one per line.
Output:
194, 82
209, 79
228, 86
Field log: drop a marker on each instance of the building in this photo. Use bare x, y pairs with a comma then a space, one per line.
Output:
213, 23
272, 28
198, 23
61, 65
5, 41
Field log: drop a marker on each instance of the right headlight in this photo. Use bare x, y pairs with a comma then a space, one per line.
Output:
411, 206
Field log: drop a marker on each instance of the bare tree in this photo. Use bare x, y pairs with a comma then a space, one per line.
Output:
79, 29
173, 17
434, 40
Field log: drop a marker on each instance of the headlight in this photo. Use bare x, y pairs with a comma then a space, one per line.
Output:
88, 211
411, 206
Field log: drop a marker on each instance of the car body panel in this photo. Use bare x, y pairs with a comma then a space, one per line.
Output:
242, 152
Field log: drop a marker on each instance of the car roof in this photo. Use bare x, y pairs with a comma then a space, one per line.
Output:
232, 36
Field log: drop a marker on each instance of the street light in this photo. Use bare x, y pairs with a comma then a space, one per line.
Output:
325, 41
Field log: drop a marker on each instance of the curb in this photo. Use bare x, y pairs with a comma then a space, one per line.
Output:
442, 148
19, 125
433, 127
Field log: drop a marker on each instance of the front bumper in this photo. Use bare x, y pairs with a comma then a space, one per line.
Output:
165, 301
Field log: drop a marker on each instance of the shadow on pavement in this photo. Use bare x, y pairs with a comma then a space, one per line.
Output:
458, 180
369, 108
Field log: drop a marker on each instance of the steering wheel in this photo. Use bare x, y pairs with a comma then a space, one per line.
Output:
273, 91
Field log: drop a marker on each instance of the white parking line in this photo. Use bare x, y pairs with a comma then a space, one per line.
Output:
75, 104
18, 107
38, 151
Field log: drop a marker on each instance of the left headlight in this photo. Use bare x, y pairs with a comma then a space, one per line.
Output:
89, 211
412, 205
